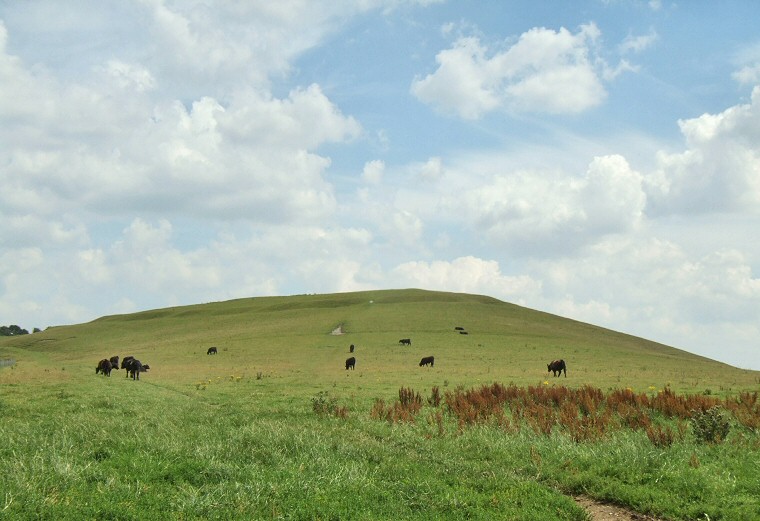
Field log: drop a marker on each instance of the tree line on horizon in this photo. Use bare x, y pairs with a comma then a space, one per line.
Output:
14, 330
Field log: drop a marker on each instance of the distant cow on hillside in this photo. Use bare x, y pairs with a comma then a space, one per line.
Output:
427, 360
405, 341
114, 362
351, 348
211, 351
104, 366
350, 363
556, 367
459, 328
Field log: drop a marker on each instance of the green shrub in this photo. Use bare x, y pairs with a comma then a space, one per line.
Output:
710, 426
323, 404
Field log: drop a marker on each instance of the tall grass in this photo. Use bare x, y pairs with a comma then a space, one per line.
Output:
170, 456
584, 441
146, 452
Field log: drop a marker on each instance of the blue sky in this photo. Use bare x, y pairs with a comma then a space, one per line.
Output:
594, 159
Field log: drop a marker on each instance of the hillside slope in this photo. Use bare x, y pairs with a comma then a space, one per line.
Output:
291, 338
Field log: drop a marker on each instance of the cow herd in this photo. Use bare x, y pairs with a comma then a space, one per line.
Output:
130, 364
134, 367
351, 361
557, 367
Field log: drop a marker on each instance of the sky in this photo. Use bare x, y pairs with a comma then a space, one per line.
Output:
595, 159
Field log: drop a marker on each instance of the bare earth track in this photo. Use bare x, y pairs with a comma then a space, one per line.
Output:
605, 512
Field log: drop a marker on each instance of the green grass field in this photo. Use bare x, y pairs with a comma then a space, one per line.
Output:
243, 434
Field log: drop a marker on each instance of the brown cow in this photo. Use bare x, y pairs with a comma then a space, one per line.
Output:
556, 367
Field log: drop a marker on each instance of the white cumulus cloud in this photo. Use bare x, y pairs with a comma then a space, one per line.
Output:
544, 71
720, 169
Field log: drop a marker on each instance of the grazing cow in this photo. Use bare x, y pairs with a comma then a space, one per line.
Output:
124, 363
351, 348
115, 362
104, 366
463, 333
350, 363
556, 367
405, 341
211, 351
134, 367
427, 360
459, 328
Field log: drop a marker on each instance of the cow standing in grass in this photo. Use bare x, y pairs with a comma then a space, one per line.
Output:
428, 360
211, 351
405, 341
350, 363
556, 367
104, 366
125, 362
134, 367
114, 362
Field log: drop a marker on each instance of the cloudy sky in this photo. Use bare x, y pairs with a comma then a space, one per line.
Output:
597, 159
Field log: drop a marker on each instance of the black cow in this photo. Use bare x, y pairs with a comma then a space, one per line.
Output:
350, 363
351, 348
405, 341
459, 328
463, 333
427, 360
134, 367
211, 351
124, 363
104, 366
114, 362
556, 367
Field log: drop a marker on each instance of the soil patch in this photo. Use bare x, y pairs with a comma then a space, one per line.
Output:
605, 512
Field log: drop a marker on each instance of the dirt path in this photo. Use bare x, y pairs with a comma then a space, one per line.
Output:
605, 512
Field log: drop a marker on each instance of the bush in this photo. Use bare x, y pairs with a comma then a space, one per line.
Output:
323, 404
710, 426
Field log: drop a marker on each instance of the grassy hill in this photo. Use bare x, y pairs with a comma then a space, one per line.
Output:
290, 339
274, 427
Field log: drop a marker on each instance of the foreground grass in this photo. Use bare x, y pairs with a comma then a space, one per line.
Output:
117, 449
236, 436
162, 455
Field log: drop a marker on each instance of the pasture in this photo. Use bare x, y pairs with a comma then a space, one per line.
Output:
274, 427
